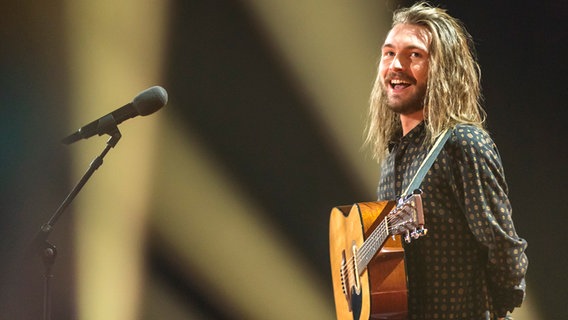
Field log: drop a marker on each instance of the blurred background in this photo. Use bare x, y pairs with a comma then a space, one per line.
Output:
217, 206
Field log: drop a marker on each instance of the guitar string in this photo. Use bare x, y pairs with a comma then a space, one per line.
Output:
351, 274
369, 250
379, 231
349, 266
364, 251
369, 247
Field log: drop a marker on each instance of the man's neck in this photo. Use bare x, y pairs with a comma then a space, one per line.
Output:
411, 120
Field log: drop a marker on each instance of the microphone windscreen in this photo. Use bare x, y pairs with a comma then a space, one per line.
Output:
150, 100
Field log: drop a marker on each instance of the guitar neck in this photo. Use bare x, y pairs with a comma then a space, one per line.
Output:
372, 245
407, 217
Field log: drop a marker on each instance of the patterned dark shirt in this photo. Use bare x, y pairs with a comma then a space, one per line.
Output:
471, 264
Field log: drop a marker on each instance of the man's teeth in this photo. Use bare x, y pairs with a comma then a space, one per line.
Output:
398, 84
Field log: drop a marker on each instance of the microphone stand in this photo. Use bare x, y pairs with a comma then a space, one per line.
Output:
48, 251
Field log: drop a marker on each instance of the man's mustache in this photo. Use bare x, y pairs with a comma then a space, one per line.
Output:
400, 76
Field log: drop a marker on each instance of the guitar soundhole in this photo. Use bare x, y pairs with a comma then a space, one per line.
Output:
356, 303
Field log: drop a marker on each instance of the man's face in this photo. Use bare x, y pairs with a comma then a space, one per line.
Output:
404, 67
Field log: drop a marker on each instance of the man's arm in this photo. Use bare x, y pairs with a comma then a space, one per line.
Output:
489, 215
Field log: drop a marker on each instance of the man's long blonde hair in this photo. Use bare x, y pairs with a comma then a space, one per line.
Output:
453, 93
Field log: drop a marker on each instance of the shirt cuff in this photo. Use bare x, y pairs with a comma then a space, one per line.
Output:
507, 299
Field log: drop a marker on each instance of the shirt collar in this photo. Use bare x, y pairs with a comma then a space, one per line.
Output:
414, 137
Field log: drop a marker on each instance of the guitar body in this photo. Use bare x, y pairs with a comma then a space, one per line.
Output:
379, 290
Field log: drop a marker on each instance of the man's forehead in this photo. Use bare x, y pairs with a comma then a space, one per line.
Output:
408, 35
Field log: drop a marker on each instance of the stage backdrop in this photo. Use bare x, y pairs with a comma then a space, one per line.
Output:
217, 206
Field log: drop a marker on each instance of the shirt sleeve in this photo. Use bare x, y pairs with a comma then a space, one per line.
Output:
483, 194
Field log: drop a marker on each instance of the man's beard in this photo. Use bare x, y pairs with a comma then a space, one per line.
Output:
407, 106
410, 104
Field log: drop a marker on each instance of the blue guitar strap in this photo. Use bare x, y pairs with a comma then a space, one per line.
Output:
427, 163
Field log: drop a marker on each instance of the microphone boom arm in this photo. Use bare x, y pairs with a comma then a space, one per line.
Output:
48, 251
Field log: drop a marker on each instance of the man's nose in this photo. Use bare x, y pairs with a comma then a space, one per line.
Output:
396, 64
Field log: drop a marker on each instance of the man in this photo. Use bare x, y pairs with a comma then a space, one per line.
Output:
471, 264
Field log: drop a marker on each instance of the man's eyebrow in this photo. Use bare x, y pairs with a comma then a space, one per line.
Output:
411, 47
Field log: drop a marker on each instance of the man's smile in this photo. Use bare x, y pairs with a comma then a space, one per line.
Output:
399, 82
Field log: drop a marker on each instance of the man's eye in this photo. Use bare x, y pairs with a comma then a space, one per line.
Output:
416, 55
388, 54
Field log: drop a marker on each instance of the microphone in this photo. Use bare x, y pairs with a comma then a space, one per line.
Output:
145, 103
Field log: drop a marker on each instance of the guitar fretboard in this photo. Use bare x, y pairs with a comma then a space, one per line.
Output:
372, 245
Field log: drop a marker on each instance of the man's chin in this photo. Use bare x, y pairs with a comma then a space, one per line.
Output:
401, 108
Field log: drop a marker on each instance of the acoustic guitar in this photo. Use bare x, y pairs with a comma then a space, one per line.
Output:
367, 285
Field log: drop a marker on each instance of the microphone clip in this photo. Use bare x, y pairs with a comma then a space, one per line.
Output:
108, 125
